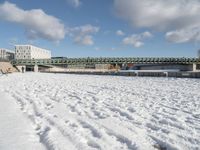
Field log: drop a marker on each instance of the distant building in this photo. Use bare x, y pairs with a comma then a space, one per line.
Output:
6, 54
31, 52
199, 53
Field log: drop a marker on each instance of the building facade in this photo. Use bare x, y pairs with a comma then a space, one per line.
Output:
6, 54
31, 52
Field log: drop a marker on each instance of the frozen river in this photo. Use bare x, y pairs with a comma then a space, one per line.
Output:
66, 112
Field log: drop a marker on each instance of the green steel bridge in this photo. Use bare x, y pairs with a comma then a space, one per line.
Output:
102, 60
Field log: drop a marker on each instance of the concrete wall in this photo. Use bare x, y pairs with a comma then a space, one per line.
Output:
102, 66
58, 69
165, 67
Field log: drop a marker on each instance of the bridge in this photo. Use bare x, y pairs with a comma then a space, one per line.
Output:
102, 60
138, 63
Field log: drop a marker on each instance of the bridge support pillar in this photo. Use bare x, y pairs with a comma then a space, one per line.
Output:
194, 67
124, 66
36, 68
117, 66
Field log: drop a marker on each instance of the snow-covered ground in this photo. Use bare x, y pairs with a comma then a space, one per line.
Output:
60, 111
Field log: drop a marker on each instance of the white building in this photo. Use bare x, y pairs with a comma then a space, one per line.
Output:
6, 54
31, 52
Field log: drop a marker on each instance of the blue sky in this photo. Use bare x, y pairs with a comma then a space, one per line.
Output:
103, 28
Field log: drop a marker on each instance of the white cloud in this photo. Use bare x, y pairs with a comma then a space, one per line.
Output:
159, 14
36, 22
85, 29
84, 40
136, 40
97, 48
83, 34
175, 17
190, 34
13, 41
120, 33
113, 49
74, 3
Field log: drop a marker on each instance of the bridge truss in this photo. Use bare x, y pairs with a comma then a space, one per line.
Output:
102, 60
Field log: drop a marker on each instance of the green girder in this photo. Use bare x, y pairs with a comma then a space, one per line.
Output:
104, 60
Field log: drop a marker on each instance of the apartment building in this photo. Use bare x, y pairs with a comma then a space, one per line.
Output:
6, 54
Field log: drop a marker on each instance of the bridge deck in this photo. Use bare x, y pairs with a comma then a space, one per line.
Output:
136, 60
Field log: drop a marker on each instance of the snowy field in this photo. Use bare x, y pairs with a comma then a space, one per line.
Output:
66, 112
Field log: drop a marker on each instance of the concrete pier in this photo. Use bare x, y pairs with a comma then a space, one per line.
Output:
36, 68
194, 67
